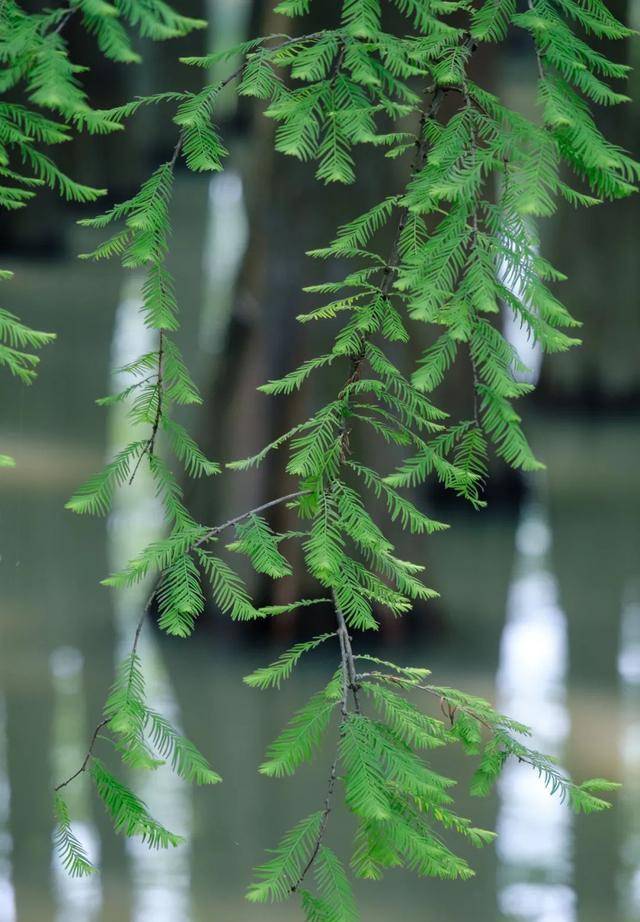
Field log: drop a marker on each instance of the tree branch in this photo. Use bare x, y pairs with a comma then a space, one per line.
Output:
348, 663
541, 71
323, 826
149, 447
87, 757
147, 607
349, 673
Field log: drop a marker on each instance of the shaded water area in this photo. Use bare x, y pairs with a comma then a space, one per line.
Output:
539, 611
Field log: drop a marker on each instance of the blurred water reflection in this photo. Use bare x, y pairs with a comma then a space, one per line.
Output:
76, 900
161, 880
534, 830
629, 671
7, 898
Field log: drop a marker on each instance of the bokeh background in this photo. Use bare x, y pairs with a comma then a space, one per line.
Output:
540, 593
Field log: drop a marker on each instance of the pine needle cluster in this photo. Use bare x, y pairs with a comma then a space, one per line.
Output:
463, 241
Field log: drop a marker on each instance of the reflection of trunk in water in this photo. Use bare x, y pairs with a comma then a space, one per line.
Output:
7, 893
629, 677
534, 830
160, 880
77, 900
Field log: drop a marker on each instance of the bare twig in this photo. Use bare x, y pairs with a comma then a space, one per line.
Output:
474, 243
348, 663
87, 757
245, 515
150, 445
323, 826
541, 71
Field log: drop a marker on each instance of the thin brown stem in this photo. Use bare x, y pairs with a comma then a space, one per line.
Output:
323, 826
150, 445
87, 757
474, 242
539, 61
245, 515
348, 662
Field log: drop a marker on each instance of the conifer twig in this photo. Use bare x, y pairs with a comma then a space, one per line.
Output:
147, 607
216, 88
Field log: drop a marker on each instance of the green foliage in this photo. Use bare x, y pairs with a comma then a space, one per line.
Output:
201, 145
126, 714
185, 759
337, 903
180, 598
409, 722
273, 675
42, 80
144, 737
128, 813
450, 249
300, 739
72, 855
159, 555
145, 740
276, 878
260, 544
16, 343
94, 497
365, 788
228, 589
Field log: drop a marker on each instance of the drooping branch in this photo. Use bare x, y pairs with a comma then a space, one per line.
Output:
212, 533
350, 678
